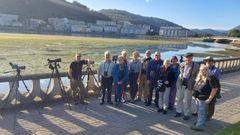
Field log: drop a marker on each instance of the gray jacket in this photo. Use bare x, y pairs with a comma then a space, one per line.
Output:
192, 76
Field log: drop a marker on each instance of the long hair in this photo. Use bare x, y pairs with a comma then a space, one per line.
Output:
200, 76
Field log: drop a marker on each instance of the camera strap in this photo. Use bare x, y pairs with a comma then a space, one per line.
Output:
104, 66
191, 70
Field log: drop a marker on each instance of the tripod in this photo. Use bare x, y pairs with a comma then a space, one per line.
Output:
89, 72
17, 78
55, 73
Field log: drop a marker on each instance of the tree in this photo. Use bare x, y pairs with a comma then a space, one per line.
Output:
234, 33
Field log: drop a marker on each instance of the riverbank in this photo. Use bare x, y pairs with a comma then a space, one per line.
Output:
34, 50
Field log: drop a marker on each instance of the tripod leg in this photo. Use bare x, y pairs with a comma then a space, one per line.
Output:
49, 83
28, 91
8, 97
63, 92
99, 87
15, 105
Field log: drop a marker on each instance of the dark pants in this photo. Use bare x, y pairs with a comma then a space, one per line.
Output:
133, 84
151, 87
106, 83
211, 108
172, 95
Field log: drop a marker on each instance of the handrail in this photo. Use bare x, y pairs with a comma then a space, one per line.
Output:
225, 65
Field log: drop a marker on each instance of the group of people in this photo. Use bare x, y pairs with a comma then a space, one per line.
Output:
187, 87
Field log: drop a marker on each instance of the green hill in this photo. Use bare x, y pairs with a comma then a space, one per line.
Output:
43, 9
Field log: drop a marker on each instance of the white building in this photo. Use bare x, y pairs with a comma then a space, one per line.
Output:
174, 32
106, 23
60, 24
78, 26
36, 23
10, 20
95, 28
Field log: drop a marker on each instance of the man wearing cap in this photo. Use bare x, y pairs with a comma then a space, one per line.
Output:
153, 68
105, 77
75, 76
213, 71
186, 80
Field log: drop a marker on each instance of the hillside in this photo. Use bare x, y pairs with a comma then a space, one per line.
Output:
121, 15
43, 9
209, 31
238, 27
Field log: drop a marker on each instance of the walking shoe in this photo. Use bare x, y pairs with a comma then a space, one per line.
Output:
83, 102
170, 108
110, 102
124, 100
194, 114
164, 112
138, 99
177, 115
159, 110
101, 103
148, 104
186, 117
132, 101
197, 128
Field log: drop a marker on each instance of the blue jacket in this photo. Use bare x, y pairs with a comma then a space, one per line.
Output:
215, 71
153, 66
115, 73
176, 71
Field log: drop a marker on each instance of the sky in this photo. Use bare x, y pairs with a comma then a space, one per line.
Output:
201, 14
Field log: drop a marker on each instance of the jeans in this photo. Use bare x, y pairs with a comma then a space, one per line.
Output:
119, 89
201, 113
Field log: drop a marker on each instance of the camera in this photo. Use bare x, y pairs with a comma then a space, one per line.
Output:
185, 82
91, 62
114, 58
55, 60
15, 66
105, 73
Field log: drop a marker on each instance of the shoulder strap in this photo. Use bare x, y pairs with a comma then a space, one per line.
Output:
191, 70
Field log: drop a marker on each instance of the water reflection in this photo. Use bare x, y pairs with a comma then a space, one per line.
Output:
167, 51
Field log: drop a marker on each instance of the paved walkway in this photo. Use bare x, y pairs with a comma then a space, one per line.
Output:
130, 119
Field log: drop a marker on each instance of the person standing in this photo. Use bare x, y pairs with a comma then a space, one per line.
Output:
164, 80
143, 85
105, 77
205, 89
134, 75
213, 71
188, 73
175, 67
120, 77
153, 68
124, 54
75, 76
